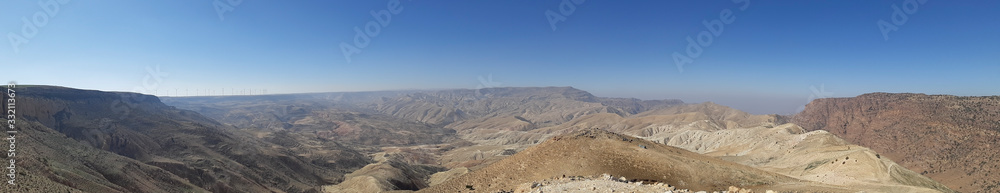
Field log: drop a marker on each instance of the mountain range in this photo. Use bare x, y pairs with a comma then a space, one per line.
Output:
494, 140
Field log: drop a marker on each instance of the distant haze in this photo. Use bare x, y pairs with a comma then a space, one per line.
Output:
761, 57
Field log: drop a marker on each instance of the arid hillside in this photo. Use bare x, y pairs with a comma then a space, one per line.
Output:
592, 152
411, 118
456, 133
785, 149
50, 161
950, 139
490, 125
124, 142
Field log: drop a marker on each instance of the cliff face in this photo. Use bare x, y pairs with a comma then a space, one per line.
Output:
950, 139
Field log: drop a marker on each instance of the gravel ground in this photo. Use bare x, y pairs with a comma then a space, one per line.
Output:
605, 183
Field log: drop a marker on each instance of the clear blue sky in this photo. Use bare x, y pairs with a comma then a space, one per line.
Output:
764, 61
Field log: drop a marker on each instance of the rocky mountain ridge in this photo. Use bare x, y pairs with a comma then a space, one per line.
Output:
951, 139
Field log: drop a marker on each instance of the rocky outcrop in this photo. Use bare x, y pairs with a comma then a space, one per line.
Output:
950, 139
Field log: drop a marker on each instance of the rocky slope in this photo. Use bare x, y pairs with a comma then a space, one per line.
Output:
594, 152
658, 125
49, 161
391, 173
787, 149
129, 142
950, 139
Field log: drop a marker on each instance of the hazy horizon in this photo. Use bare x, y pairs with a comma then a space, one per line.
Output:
756, 56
